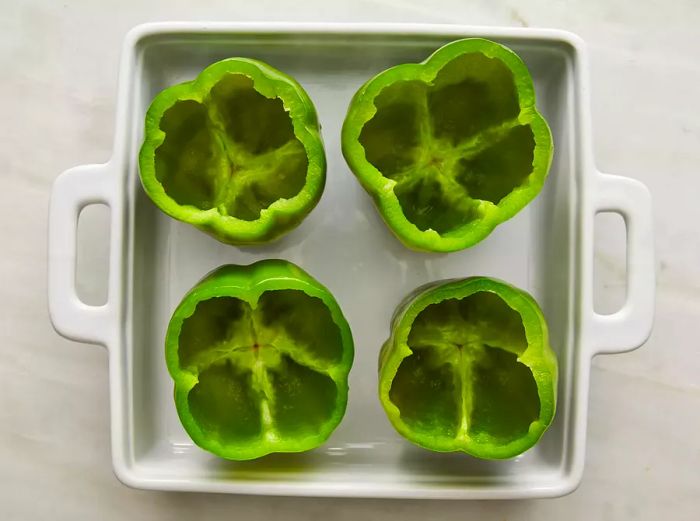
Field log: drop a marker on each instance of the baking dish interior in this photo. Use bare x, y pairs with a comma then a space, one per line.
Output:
345, 245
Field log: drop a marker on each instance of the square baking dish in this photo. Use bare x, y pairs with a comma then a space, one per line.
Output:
546, 249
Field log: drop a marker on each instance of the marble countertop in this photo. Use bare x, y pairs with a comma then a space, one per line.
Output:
57, 99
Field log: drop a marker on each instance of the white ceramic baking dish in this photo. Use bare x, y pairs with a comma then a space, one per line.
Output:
547, 249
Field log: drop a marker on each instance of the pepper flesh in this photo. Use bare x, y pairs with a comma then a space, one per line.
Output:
468, 367
451, 147
237, 152
260, 357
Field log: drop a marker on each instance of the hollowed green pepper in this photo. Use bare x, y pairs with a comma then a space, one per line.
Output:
260, 356
237, 152
451, 147
468, 367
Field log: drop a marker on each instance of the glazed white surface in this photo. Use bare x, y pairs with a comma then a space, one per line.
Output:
60, 63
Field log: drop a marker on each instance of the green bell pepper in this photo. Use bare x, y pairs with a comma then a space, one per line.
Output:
468, 367
237, 152
451, 147
260, 357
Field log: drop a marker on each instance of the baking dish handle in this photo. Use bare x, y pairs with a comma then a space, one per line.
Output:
73, 190
628, 328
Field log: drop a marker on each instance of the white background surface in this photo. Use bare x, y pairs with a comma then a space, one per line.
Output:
59, 63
